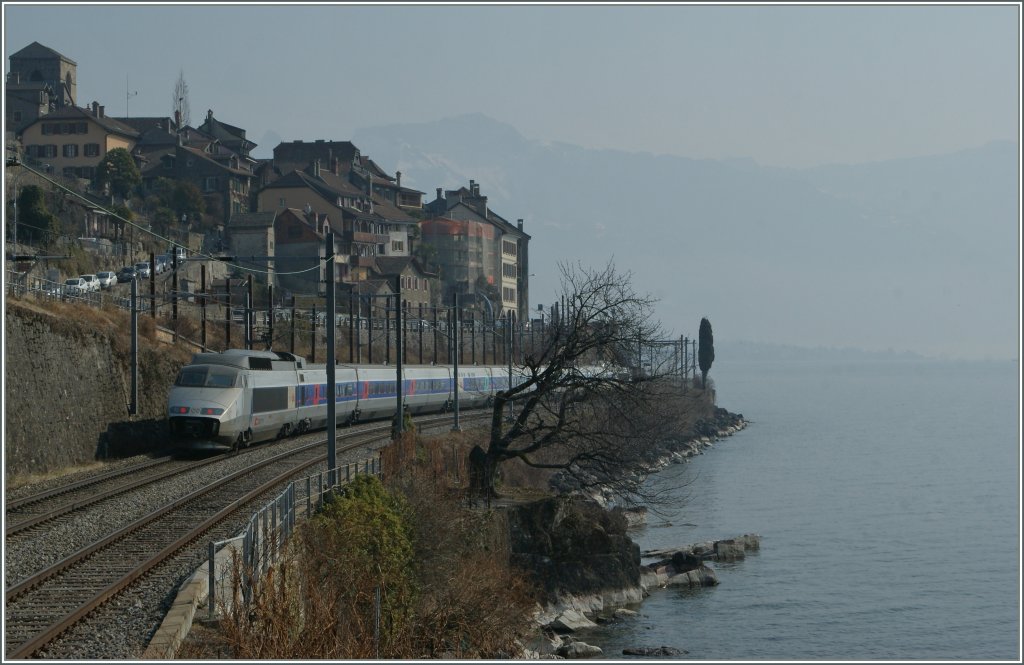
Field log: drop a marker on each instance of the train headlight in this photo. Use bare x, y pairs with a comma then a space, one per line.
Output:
179, 409
212, 412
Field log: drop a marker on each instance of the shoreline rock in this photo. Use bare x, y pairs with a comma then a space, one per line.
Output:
579, 551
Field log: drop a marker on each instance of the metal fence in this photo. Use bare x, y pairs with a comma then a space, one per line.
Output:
269, 528
18, 285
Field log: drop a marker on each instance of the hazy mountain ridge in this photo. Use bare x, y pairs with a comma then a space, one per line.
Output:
896, 254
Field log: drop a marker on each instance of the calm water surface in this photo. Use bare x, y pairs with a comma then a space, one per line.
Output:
887, 498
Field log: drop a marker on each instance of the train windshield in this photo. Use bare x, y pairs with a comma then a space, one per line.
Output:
207, 377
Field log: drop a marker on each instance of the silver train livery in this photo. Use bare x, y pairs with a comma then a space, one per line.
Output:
229, 400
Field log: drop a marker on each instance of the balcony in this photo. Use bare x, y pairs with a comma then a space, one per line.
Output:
362, 261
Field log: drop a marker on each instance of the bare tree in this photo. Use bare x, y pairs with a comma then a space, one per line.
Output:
577, 407
179, 102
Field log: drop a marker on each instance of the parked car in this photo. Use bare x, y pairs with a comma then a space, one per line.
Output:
74, 286
107, 279
163, 262
180, 251
142, 269
92, 283
126, 274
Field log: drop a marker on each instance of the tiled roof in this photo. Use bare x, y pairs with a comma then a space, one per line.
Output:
77, 113
204, 156
386, 210
251, 220
144, 124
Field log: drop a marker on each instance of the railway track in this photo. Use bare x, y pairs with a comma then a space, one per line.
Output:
45, 605
38, 509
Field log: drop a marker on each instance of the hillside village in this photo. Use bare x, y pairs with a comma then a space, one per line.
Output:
198, 186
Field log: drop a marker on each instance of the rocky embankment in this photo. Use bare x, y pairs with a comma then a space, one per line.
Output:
590, 570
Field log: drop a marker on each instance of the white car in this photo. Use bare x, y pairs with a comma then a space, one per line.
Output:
74, 286
142, 269
92, 282
107, 279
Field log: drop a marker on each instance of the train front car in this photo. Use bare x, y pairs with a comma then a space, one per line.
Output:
205, 408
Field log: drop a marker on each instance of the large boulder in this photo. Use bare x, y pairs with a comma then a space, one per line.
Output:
573, 546
574, 650
570, 621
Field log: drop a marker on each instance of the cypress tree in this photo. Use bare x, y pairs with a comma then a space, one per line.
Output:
706, 352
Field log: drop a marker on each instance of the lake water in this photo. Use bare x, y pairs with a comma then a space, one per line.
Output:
887, 498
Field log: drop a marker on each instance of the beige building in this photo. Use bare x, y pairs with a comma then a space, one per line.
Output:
72, 141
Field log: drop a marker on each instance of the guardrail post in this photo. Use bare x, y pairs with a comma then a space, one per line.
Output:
275, 508
309, 497
348, 473
266, 542
212, 580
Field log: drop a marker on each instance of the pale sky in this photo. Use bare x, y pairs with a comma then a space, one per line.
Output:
783, 85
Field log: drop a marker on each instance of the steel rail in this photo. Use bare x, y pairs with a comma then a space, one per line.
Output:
60, 626
86, 482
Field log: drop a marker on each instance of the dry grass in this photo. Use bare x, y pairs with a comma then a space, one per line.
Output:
17, 481
468, 602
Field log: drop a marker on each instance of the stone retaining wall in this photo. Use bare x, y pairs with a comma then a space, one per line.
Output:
67, 391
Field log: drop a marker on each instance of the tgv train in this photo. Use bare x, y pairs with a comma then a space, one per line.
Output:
229, 400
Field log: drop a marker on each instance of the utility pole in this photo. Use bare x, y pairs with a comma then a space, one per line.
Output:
227, 315
511, 323
399, 347
133, 407
152, 285
332, 423
248, 314
270, 316
174, 284
455, 374
202, 301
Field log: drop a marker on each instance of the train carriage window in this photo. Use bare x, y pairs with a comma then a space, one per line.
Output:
191, 377
205, 377
220, 380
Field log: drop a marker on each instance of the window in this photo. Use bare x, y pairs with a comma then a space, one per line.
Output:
397, 246
17, 116
48, 150
48, 128
210, 183
281, 202
508, 247
70, 150
92, 149
83, 128
69, 172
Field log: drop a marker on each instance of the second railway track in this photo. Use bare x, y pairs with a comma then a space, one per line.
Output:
45, 605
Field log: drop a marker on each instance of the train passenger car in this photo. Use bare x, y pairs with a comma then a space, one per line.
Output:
239, 397
428, 388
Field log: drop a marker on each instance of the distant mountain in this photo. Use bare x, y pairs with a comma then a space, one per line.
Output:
908, 254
